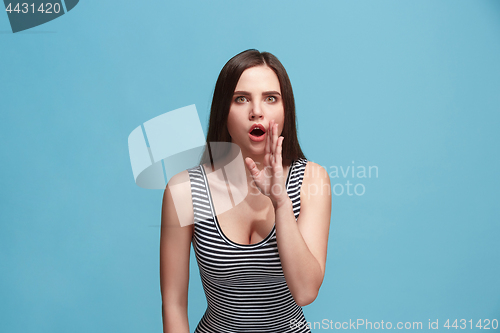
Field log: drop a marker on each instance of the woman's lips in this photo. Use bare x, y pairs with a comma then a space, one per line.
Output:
256, 138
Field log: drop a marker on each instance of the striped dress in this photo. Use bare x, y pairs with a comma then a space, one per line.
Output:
244, 285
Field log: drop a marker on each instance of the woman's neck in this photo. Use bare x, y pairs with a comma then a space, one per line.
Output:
234, 166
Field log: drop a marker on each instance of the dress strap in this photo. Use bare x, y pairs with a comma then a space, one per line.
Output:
295, 184
201, 205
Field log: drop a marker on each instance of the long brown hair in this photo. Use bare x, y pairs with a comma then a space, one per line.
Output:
223, 95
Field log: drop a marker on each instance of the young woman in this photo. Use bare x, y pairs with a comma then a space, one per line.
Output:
262, 255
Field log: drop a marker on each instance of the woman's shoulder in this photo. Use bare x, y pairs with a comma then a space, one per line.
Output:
180, 179
314, 173
310, 165
177, 197
184, 177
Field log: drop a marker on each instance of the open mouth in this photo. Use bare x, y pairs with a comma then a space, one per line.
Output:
257, 132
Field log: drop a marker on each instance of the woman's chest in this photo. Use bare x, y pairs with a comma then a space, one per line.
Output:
248, 223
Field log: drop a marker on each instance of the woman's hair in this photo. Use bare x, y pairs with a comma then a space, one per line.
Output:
223, 96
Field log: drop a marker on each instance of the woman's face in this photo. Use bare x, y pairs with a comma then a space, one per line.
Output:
256, 100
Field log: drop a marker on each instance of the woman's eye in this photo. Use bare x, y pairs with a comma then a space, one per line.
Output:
271, 99
241, 99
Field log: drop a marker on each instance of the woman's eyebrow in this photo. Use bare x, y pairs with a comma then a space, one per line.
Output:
271, 93
246, 93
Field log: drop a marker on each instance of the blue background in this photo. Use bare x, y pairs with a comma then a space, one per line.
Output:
411, 87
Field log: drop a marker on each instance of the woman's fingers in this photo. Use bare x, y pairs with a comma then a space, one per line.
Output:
252, 167
268, 158
268, 141
275, 141
272, 173
279, 149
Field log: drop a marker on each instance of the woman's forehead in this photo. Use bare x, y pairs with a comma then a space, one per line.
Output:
258, 78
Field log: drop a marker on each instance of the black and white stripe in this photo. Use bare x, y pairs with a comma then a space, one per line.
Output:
244, 284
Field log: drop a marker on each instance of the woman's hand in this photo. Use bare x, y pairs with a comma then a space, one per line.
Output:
270, 180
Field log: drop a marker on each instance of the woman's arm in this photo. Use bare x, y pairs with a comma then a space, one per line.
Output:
175, 243
302, 244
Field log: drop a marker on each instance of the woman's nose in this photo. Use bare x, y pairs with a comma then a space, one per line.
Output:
256, 111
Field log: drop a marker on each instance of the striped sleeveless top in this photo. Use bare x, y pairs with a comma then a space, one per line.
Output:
244, 284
